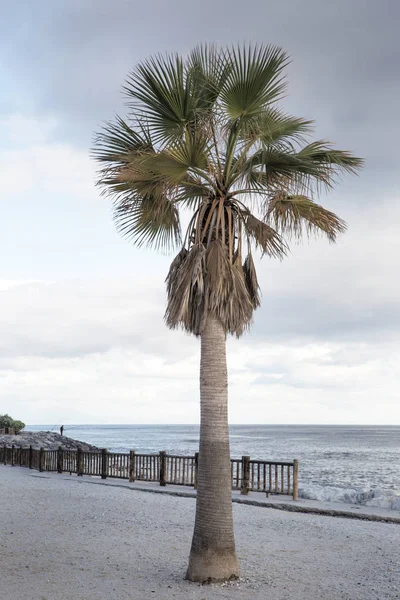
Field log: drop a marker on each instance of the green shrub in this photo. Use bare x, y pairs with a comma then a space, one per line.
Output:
18, 426
7, 421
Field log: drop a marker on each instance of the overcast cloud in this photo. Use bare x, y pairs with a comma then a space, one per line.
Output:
82, 337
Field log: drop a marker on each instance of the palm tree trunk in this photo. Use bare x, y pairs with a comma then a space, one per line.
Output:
213, 556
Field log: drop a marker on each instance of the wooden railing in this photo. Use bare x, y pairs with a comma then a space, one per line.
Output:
247, 475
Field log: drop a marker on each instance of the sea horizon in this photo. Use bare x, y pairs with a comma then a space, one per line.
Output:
108, 424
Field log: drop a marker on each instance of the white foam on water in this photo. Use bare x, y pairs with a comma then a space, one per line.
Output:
388, 499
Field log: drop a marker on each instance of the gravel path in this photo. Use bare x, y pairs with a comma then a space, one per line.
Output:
62, 539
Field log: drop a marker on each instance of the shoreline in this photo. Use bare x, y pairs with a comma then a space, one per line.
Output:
314, 497
256, 499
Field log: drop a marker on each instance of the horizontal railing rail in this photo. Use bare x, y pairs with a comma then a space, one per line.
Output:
248, 475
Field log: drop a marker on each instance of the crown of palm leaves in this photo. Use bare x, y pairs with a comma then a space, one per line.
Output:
206, 134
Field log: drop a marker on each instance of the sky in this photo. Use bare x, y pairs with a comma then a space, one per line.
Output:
82, 338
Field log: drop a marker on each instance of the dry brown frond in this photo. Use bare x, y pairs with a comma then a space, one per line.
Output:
265, 236
185, 289
292, 215
204, 280
250, 277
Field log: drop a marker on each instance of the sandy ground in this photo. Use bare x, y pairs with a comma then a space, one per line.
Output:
64, 539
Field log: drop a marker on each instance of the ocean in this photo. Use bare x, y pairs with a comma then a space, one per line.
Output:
338, 463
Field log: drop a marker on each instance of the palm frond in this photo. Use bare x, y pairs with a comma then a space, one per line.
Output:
191, 151
117, 142
207, 72
157, 88
175, 269
254, 80
304, 171
228, 297
203, 280
170, 167
330, 160
148, 221
250, 277
192, 193
241, 303
186, 290
271, 127
279, 165
265, 237
294, 215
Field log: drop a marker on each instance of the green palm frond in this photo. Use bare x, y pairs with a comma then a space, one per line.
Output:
173, 96
182, 165
155, 169
273, 127
148, 221
192, 191
294, 215
270, 169
207, 72
157, 89
322, 155
254, 81
305, 170
191, 152
117, 141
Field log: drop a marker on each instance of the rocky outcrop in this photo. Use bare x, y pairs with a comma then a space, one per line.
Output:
49, 440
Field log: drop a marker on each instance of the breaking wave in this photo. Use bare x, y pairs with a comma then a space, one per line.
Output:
376, 497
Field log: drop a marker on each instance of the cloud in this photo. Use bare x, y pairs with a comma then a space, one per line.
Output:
104, 343
81, 330
32, 161
343, 291
80, 54
46, 168
54, 220
76, 318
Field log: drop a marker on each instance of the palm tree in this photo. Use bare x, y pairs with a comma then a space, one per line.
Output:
207, 138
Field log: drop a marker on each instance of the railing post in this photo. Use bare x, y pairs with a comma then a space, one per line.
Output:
30, 458
5, 453
132, 460
104, 462
12, 455
295, 479
196, 470
20, 456
245, 475
60, 459
163, 469
79, 462
41, 459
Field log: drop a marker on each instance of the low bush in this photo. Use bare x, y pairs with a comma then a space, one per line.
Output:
7, 421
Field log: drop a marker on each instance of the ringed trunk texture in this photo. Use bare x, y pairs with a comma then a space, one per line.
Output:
213, 555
